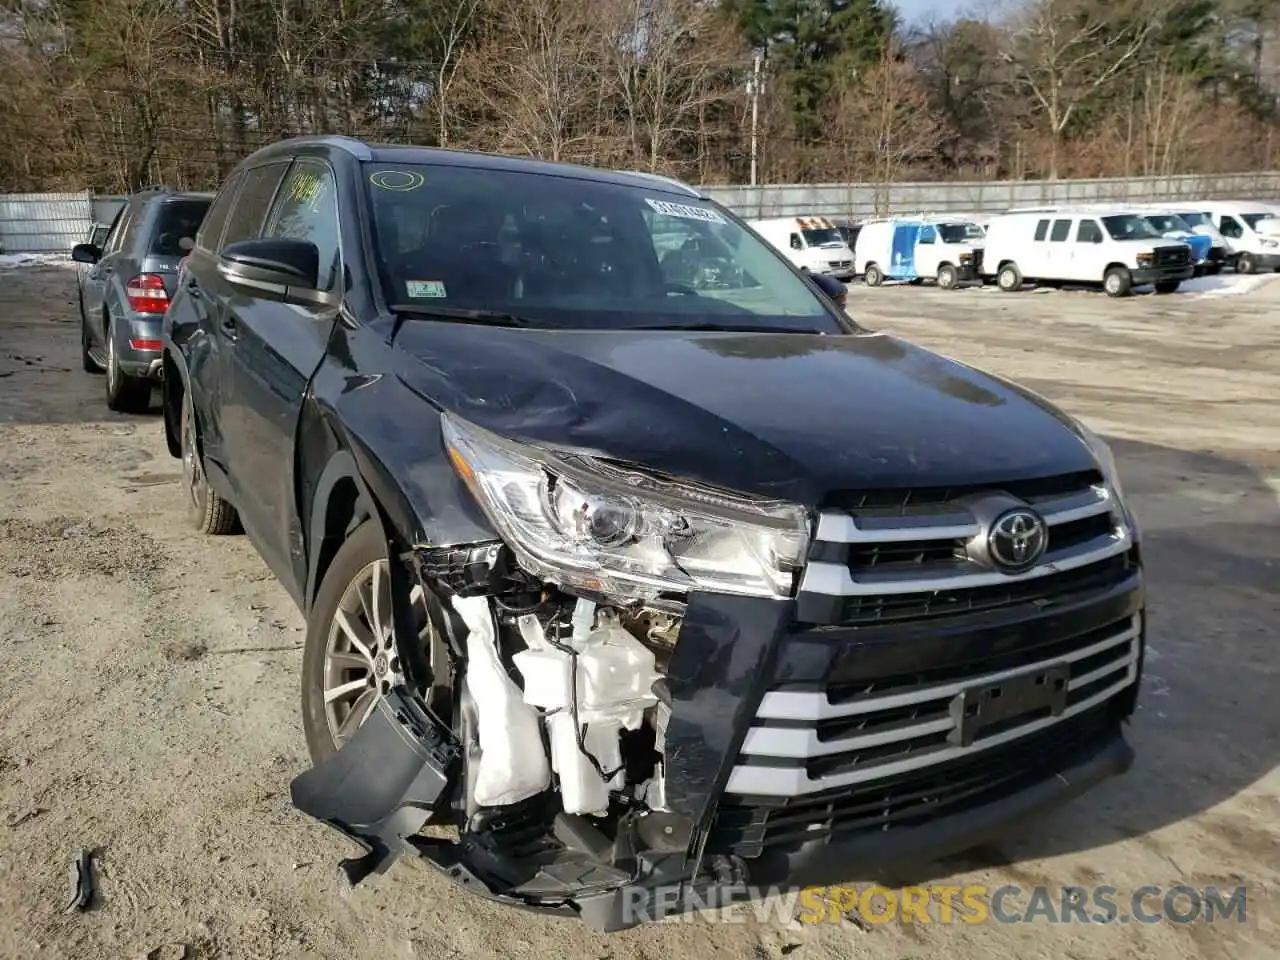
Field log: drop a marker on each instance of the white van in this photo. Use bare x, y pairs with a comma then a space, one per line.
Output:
1198, 219
1248, 229
1118, 249
919, 248
811, 243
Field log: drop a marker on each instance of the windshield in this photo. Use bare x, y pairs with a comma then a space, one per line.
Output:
960, 232
1197, 219
1168, 223
575, 253
1253, 219
822, 236
177, 219
1128, 226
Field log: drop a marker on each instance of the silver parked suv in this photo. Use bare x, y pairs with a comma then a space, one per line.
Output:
126, 289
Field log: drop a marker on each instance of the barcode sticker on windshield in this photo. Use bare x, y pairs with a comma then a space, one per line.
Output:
685, 211
424, 288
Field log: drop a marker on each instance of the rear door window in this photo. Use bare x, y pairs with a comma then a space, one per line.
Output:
175, 220
1061, 230
211, 229
1042, 229
254, 200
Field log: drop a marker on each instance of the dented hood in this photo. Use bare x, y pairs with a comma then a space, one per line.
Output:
794, 416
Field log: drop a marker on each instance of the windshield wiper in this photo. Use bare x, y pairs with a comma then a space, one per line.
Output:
490, 318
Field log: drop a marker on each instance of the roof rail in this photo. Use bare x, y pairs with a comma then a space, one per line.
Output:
671, 181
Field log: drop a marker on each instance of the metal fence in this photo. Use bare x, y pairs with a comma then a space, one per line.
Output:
43, 222
993, 196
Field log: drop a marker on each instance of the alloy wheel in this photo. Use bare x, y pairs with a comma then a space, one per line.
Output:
361, 659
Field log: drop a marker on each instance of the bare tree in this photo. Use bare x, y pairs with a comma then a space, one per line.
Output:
671, 58
1064, 52
536, 74
449, 23
886, 123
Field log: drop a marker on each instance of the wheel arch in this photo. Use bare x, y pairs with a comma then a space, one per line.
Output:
173, 387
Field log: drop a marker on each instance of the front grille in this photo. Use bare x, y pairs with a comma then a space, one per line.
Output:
839, 264
1173, 256
887, 556
749, 826
804, 741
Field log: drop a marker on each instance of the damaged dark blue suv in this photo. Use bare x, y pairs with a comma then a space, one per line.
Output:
624, 551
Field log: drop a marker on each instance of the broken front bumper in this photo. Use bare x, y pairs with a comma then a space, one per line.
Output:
756, 765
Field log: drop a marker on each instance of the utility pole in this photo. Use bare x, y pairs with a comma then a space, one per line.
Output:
755, 112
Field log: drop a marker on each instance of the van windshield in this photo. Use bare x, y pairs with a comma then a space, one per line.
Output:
1128, 226
1197, 219
822, 237
960, 232
1253, 219
1168, 223
573, 253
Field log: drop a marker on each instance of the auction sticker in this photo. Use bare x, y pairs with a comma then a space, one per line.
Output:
685, 211
424, 288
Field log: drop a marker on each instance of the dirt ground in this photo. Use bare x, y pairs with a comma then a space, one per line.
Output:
149, 677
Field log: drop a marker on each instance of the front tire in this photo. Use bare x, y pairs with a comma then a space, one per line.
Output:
1118, 282
948, 276
1245, 264
873, 277
125, 392
1009, 279
206, 511
351, 657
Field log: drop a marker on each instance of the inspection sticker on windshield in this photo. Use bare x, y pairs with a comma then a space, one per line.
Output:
685, 211
424, 288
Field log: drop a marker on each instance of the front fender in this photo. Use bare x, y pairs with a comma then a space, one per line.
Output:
394, 438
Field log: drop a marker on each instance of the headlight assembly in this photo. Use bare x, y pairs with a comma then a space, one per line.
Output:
588, 523
1106, 462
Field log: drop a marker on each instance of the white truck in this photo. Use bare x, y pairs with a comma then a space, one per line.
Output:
811, 243
919, 248
1118, 249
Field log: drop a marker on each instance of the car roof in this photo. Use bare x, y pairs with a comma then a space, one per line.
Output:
438, 156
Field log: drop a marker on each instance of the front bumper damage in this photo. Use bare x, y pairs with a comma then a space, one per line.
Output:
714, 847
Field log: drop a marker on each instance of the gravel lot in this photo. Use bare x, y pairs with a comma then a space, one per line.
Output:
149, 677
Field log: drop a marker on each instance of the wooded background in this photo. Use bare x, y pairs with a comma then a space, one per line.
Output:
110, 95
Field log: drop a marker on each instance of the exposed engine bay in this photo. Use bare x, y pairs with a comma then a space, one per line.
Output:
544, 748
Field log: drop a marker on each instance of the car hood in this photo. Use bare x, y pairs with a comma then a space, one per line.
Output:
794, 416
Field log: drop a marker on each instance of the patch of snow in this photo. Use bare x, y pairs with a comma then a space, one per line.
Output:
9, 261
1227, 284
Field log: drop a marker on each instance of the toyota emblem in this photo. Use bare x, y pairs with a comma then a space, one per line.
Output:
1017, 540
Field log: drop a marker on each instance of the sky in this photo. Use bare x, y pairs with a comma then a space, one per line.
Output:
916, 10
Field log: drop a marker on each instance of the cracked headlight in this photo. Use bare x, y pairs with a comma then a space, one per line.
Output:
588, 523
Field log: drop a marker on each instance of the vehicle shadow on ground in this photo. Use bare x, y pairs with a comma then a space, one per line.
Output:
1208, 724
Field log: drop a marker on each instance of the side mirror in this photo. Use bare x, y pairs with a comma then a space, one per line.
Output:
86, 253
274, 269
832, 287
